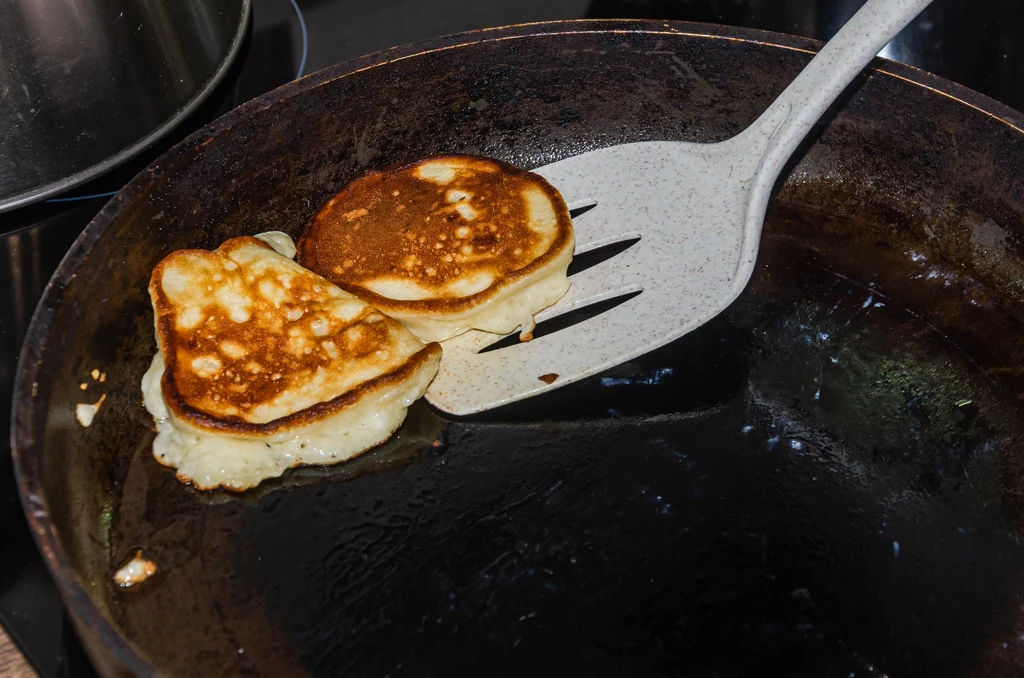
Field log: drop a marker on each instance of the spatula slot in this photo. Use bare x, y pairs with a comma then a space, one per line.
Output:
584, 260
565, 321
580, 208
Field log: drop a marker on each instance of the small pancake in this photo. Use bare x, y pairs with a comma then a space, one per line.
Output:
263, 365
446, 244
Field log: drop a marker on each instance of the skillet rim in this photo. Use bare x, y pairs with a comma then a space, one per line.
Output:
26, 446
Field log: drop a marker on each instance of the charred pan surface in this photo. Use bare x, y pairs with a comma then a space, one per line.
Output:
448, 233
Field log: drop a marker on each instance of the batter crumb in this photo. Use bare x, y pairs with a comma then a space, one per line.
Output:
136, 571
86, 412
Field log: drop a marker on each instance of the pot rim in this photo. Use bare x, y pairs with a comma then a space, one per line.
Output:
50, 189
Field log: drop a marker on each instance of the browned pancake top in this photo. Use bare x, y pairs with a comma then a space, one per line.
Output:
251, 337
434, 232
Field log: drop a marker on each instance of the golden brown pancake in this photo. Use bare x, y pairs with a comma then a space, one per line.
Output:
263, 365
446, 244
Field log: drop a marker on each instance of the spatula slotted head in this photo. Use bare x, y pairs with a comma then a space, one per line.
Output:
683, 207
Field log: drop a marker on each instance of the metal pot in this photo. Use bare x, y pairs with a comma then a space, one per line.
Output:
87, 85
826, 480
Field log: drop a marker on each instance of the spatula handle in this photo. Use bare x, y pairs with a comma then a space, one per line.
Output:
780, 129
808, 97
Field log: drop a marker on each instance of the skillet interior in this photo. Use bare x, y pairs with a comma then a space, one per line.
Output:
792, 488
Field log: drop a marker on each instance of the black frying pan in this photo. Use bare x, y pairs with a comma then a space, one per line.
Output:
824, 481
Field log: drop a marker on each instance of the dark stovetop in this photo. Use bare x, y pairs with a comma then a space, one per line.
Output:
972, 43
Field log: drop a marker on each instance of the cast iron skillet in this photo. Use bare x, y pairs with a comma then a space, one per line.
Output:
824, 481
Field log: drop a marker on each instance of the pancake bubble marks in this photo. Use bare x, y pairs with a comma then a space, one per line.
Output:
446, 244
263, 365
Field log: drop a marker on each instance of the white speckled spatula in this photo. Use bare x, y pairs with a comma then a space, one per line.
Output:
697, 210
